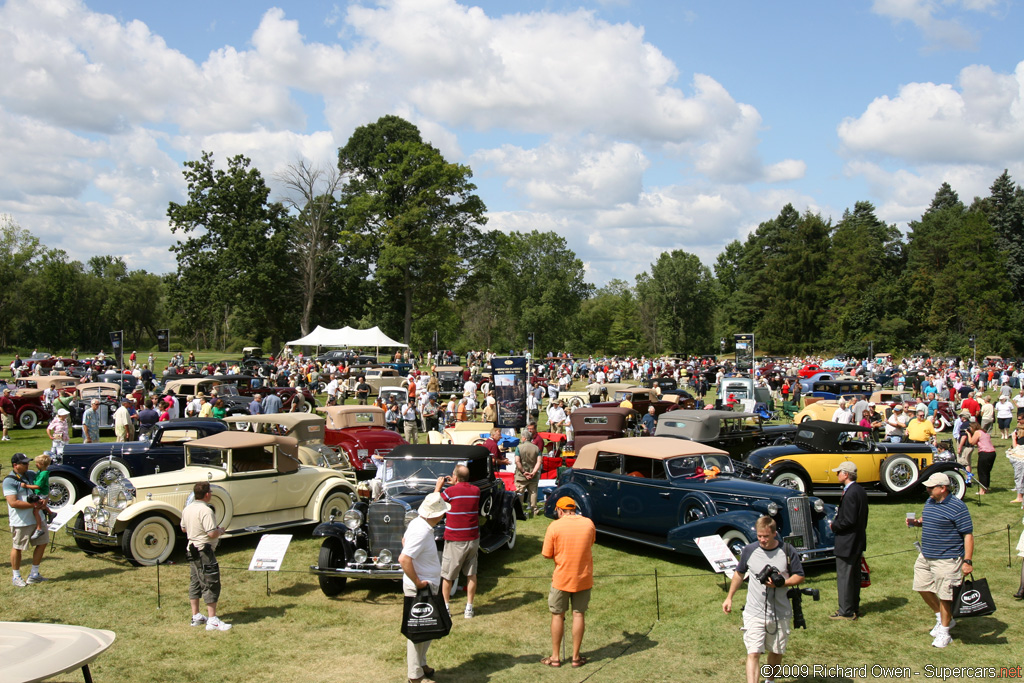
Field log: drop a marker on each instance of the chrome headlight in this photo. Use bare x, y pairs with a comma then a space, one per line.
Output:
359, 556
773, 509
384, 558
350, 536
410, 515
90, 513
353, 519
819, 506
102, 517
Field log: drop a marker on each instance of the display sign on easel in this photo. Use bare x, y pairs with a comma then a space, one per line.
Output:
269, 554
718, 555
63, 516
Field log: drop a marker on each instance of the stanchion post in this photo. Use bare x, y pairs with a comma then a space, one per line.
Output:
657, 595
268, 583
158, 584
1009, 553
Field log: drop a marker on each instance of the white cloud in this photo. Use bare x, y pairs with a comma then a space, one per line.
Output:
925, 15
981, 122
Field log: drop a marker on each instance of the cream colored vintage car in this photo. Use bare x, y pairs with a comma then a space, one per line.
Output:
308, 431
258, 486
462, 433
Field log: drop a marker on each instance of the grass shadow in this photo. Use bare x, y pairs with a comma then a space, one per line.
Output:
512, 600
883, 605
88, 574
980, 630
296, 589
251, 615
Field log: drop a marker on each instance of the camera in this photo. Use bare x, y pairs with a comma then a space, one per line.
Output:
769, 575
32, 498
795, 596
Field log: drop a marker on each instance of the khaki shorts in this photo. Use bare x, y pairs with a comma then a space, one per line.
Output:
964, 456
459, 556
937, 576
22, 537
558, 601
8, 421
760, 637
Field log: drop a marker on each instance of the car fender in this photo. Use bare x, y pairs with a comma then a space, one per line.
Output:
511, 505
147, 507
574, 491
76, 477
942, 467
683, 537
697, 499
326, 488
783, 465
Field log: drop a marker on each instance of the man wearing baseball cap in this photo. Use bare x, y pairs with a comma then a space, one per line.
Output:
896, 425
422, 569
568, 541
850, 527
947, 549
20, 513
921, 429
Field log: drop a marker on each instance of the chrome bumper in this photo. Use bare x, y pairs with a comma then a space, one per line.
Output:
393, 571
94, 536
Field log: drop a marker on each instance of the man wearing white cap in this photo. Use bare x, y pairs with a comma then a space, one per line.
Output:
850, 527
896, 425
947, 549
422, 569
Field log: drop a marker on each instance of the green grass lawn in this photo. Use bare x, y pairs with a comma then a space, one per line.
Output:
296, 633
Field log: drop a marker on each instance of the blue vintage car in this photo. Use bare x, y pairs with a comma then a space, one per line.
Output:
668, 492
162, 450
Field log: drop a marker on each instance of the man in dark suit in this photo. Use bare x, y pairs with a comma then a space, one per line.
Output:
850, 527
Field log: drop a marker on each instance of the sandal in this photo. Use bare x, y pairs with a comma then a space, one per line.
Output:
580, 661
551, 661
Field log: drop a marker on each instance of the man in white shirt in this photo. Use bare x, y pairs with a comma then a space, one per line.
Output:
332, 390
896, 425
123, 422
422, 568
556, 417
843, 414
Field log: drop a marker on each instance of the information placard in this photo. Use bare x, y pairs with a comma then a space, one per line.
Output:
64, 516
718, 554
269, 554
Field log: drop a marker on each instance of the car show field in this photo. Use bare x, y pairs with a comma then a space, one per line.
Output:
655, 614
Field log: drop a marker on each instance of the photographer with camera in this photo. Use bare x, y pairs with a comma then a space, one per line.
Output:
21, 506
773, 568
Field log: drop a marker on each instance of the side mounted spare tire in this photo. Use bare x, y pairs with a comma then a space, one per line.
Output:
898, 473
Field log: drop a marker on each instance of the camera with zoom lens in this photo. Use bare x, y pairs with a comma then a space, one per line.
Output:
32, 498
796, 597
769, 575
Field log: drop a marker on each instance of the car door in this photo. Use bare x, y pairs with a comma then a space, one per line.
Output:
166, 451
602, 484
647, 502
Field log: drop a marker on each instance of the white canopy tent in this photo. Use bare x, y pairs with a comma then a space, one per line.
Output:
347, 336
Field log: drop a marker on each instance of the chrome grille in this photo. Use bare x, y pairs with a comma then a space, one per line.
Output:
800, 521
386, 525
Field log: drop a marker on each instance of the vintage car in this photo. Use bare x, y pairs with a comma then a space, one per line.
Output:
740, 389
832, 389
381, 377
730, 431
365, 542
234, 402
307, 430
810, 370
62, 383
109, 394
642, 398
449, 379
403, 369
127, 382
359, 432
258, 486
595, 423
163, 449
822, 409
669, 492
29, 409
818, 447
401, 394
248, 386
462, 433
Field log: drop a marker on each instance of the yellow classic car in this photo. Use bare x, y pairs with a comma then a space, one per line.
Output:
818, 447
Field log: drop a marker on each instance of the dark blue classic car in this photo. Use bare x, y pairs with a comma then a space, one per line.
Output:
85, 465
668, 492
366, 542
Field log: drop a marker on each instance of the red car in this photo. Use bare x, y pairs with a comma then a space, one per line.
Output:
359, 432
29, 409
811, 370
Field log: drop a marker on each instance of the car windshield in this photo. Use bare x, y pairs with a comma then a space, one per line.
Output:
211, 457
413, 474
690, 466
227, 390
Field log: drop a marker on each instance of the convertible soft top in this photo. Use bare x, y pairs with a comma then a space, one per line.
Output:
653, 447
448, 452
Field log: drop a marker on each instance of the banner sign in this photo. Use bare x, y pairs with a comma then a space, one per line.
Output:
117, 341
163, 341
510, 390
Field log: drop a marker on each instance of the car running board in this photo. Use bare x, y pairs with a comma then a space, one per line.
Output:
637, 537
493, 542
260, 528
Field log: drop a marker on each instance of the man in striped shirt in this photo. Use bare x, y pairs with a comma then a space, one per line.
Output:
947, 546
461, 534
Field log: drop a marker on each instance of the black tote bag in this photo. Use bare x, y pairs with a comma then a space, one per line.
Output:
424, 616
972, 599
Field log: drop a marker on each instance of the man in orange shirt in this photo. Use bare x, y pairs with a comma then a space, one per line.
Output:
568, 542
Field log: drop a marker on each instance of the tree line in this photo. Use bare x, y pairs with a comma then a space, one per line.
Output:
395, 236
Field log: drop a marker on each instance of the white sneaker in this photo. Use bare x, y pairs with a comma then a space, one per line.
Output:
37, 533
938, 624
215, 624
469, 612
36, 578
18, 582
198, 619
942, 640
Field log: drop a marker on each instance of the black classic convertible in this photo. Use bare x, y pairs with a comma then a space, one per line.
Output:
366, 542
85, 465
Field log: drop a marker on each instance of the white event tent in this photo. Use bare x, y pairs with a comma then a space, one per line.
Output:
347, 336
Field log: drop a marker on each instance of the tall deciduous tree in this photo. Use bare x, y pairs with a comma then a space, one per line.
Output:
20, 252
683, 293
232, 268
1004, 208
416, 212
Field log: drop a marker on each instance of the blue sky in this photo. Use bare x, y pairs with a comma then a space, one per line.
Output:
628, 127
